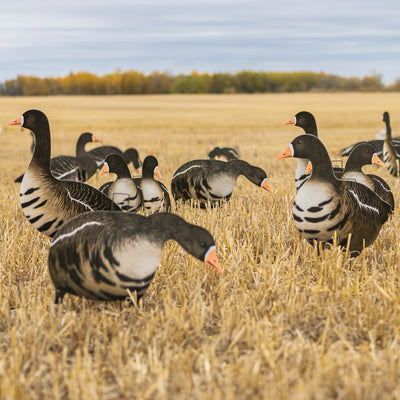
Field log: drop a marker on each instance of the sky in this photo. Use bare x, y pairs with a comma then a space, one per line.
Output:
343, 37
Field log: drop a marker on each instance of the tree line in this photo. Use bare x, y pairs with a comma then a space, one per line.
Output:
134, 82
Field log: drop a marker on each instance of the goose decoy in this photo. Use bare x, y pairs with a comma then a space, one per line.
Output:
123, 190
390, 155
48, 202
101, 255
129, 155
223, 153
155, 194
376, 143
307, 122
79, 168
364, 154
213, 181
324, 204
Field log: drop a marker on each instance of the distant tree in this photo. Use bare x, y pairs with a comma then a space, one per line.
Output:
189, 84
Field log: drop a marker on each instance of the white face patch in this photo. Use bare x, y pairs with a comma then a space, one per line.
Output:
291, 149
208, 252
295, 120
22, 120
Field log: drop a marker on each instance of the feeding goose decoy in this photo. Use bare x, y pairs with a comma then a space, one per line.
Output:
101, 255
48, 202
390, 155
376, 143
324, 204
307, 122
129, 155
155, 194
364, 154
213, 181
123, 190
79, 168
223, 153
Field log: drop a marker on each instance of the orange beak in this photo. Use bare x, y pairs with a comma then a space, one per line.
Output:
264, 185
17, 122
157, 172
149, 152
95, 139
211, 259
309, 168
289, 122
104, 169
377, 161
287, 153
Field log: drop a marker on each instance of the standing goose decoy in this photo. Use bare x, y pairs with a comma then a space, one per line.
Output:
305, 120
155, 194
123, 190
376, 143
324, 204
390, 156
213, 181
101, 255
48, 202
364, 154
79, 168
223, 154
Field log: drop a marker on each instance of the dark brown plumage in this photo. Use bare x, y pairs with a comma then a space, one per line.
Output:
364, 154
213, 181
101, 255
390, 156
223, 153
46, 201
324, 204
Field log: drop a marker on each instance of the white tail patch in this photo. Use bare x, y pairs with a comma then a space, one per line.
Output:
67, 235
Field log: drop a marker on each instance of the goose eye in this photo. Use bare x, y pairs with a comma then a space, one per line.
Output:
300, 141
202, 244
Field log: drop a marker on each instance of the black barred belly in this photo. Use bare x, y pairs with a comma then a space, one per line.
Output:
319, 221
36, 210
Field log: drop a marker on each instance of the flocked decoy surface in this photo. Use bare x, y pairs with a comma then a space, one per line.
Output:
48, 202
101, 255
123, 190
324, 204
210, 182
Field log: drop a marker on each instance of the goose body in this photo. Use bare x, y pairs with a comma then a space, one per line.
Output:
101, 255
212, 181
155, 194
123, 191
223, 154
46, 201
364, 154
325, 205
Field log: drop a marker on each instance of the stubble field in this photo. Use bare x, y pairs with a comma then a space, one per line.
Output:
281, 322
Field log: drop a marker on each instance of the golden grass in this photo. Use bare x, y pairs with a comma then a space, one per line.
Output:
280, 323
